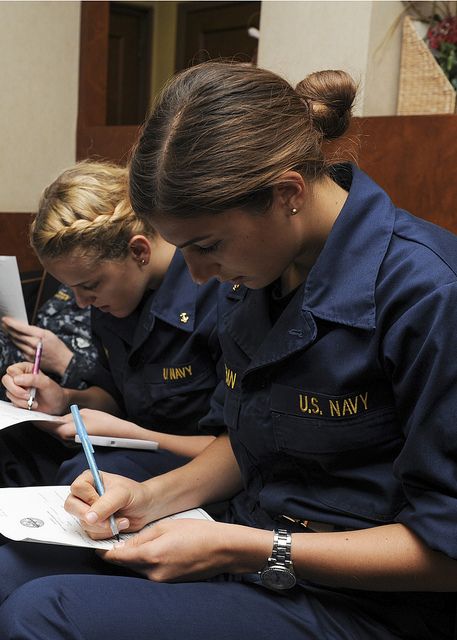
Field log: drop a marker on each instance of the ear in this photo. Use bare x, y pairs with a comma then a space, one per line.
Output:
290, 191
140, 249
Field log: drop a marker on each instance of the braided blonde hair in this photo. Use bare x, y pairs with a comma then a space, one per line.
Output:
86, 209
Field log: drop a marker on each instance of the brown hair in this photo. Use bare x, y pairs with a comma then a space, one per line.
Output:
221, 134
86, 209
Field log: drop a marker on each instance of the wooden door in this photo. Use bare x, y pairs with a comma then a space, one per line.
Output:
208, 30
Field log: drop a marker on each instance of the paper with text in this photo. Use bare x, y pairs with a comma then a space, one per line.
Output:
9, 415
11, 296
37, 514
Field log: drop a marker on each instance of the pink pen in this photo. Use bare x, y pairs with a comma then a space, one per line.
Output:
36, 369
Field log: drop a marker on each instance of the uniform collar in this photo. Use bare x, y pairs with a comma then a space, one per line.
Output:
341, 285
174, 301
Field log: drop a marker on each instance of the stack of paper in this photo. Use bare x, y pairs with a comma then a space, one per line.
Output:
11, 296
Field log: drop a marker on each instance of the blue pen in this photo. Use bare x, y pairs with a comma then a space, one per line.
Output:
89, 451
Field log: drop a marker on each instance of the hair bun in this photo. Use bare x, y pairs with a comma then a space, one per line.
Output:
330, 96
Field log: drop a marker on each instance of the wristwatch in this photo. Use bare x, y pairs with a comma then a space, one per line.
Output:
278, 573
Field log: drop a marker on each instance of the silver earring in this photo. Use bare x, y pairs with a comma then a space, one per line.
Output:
142, 261
293, 211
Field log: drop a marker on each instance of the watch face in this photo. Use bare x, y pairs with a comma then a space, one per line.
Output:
277, 577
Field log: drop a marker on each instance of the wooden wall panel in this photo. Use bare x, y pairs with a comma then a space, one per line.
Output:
14, 240
414, 158
106, 143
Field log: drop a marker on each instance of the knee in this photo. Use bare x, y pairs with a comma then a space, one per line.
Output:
70, 470
36, 610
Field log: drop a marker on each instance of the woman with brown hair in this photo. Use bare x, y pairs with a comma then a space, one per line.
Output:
337, 321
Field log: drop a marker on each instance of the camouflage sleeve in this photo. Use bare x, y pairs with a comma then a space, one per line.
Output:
8, 355
8, 352
61, 315
79, 370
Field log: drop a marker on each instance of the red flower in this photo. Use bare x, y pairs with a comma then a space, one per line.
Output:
443, 31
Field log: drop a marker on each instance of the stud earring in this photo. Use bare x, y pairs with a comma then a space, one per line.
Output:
142, 261
293, 211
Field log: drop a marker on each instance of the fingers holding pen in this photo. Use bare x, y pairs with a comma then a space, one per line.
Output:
94, 511
17, 381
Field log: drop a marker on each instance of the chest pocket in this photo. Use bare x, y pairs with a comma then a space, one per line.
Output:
316, 424
173, 397
179, 377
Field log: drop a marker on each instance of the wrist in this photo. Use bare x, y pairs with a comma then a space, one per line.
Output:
66, 399
63, 362
246, 549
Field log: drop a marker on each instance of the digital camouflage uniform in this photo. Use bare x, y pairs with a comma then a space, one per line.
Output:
29, 456
61, 315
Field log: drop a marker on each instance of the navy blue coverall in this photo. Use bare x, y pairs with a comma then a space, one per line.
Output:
341, 414
160, 365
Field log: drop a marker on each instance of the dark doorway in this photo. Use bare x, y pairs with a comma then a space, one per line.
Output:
129, 63
208, 30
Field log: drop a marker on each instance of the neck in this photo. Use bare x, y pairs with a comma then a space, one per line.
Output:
161, 256
314, 224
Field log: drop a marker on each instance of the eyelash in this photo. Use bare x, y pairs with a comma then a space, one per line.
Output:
90, 287
210, 249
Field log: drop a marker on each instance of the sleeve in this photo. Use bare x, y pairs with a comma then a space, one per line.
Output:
79, 369
8, 355
100, 373
8, 352
420, 351
61, 315
213, 422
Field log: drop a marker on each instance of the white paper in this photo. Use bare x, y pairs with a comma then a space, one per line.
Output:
37, 514
9, 415
11, 296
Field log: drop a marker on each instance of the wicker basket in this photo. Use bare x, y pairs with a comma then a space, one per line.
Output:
423, 86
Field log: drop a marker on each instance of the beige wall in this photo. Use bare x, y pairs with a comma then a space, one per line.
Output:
297, 38
39, 53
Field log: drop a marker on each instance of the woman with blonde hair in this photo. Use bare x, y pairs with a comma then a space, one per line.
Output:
153, 327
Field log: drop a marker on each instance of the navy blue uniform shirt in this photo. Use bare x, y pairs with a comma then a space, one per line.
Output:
160, 363
344, 412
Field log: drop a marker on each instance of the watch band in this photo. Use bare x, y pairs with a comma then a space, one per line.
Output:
278, 574
282, 545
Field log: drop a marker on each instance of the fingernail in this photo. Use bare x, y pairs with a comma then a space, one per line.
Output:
123, 524
91, 517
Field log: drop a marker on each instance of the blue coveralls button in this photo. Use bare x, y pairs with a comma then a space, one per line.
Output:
184, 317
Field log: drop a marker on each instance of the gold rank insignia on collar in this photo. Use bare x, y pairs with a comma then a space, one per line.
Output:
184, 317
235, 287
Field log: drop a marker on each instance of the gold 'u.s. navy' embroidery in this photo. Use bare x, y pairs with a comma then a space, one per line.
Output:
230, 378
177, 373
333, 407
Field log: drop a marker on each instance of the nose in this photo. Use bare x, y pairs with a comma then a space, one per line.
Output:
201, 268
83, 300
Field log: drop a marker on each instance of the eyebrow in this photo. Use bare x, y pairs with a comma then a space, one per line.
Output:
193, 241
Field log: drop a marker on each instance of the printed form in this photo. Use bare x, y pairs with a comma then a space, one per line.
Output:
37, 514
